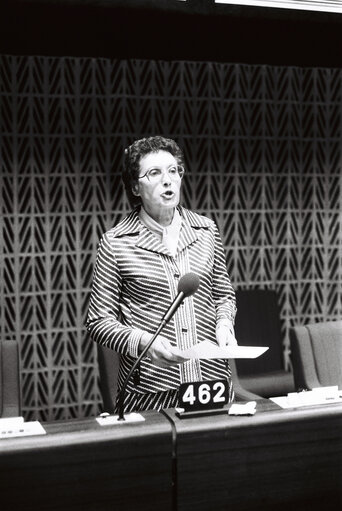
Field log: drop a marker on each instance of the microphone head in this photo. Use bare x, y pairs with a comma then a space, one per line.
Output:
188, 284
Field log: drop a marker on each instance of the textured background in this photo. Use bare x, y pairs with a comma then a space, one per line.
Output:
263, 156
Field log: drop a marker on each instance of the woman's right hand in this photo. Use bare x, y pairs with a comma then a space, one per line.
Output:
161, 353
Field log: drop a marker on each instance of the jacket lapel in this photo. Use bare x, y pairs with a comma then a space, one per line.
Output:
192, 224
149, 241
132, 225
187, 236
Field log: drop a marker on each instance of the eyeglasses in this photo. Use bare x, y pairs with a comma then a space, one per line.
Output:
175, 172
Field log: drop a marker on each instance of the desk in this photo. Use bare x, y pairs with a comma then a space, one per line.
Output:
277, 459
80, 465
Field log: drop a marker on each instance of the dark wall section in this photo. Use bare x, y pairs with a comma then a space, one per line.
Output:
172, 31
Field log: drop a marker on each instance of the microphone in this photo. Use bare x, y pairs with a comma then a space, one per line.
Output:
187, 286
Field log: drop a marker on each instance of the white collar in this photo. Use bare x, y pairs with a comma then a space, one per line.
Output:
155, 227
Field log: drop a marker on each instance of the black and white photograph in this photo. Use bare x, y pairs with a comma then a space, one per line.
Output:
170, 255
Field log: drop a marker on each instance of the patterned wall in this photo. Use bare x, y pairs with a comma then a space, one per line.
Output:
263, 153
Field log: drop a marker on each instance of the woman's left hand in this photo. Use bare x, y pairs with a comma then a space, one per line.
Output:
225, 335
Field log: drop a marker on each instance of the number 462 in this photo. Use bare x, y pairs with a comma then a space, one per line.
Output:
205, 393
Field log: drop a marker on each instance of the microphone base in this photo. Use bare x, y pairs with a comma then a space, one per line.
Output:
114, 420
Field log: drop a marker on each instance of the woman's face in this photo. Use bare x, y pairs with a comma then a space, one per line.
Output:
161, 190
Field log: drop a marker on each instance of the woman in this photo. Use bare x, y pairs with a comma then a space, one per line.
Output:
138, 266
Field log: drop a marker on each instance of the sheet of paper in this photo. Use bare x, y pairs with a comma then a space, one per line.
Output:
11, 422
207, 349
14, 427
243, 409
317, 396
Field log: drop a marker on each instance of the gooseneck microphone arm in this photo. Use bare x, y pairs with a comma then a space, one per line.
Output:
187, 286
121, 398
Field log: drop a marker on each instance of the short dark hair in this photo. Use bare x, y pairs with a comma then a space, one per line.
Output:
135, 152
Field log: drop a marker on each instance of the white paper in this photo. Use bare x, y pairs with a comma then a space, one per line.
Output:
243, 408
207, 349
316, 396
11, 422
15, 427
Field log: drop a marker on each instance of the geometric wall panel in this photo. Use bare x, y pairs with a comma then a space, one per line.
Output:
263, 158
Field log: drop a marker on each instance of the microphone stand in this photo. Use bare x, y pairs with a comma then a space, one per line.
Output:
121, 397
187, 286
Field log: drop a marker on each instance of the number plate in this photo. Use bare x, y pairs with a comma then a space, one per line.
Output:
203, 395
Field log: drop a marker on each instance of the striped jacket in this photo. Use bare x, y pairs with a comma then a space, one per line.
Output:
136, 279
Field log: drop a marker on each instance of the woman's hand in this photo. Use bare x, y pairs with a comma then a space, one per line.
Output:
161, 353
225, 335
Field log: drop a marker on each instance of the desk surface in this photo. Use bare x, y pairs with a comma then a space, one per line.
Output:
276, 459
80, 465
